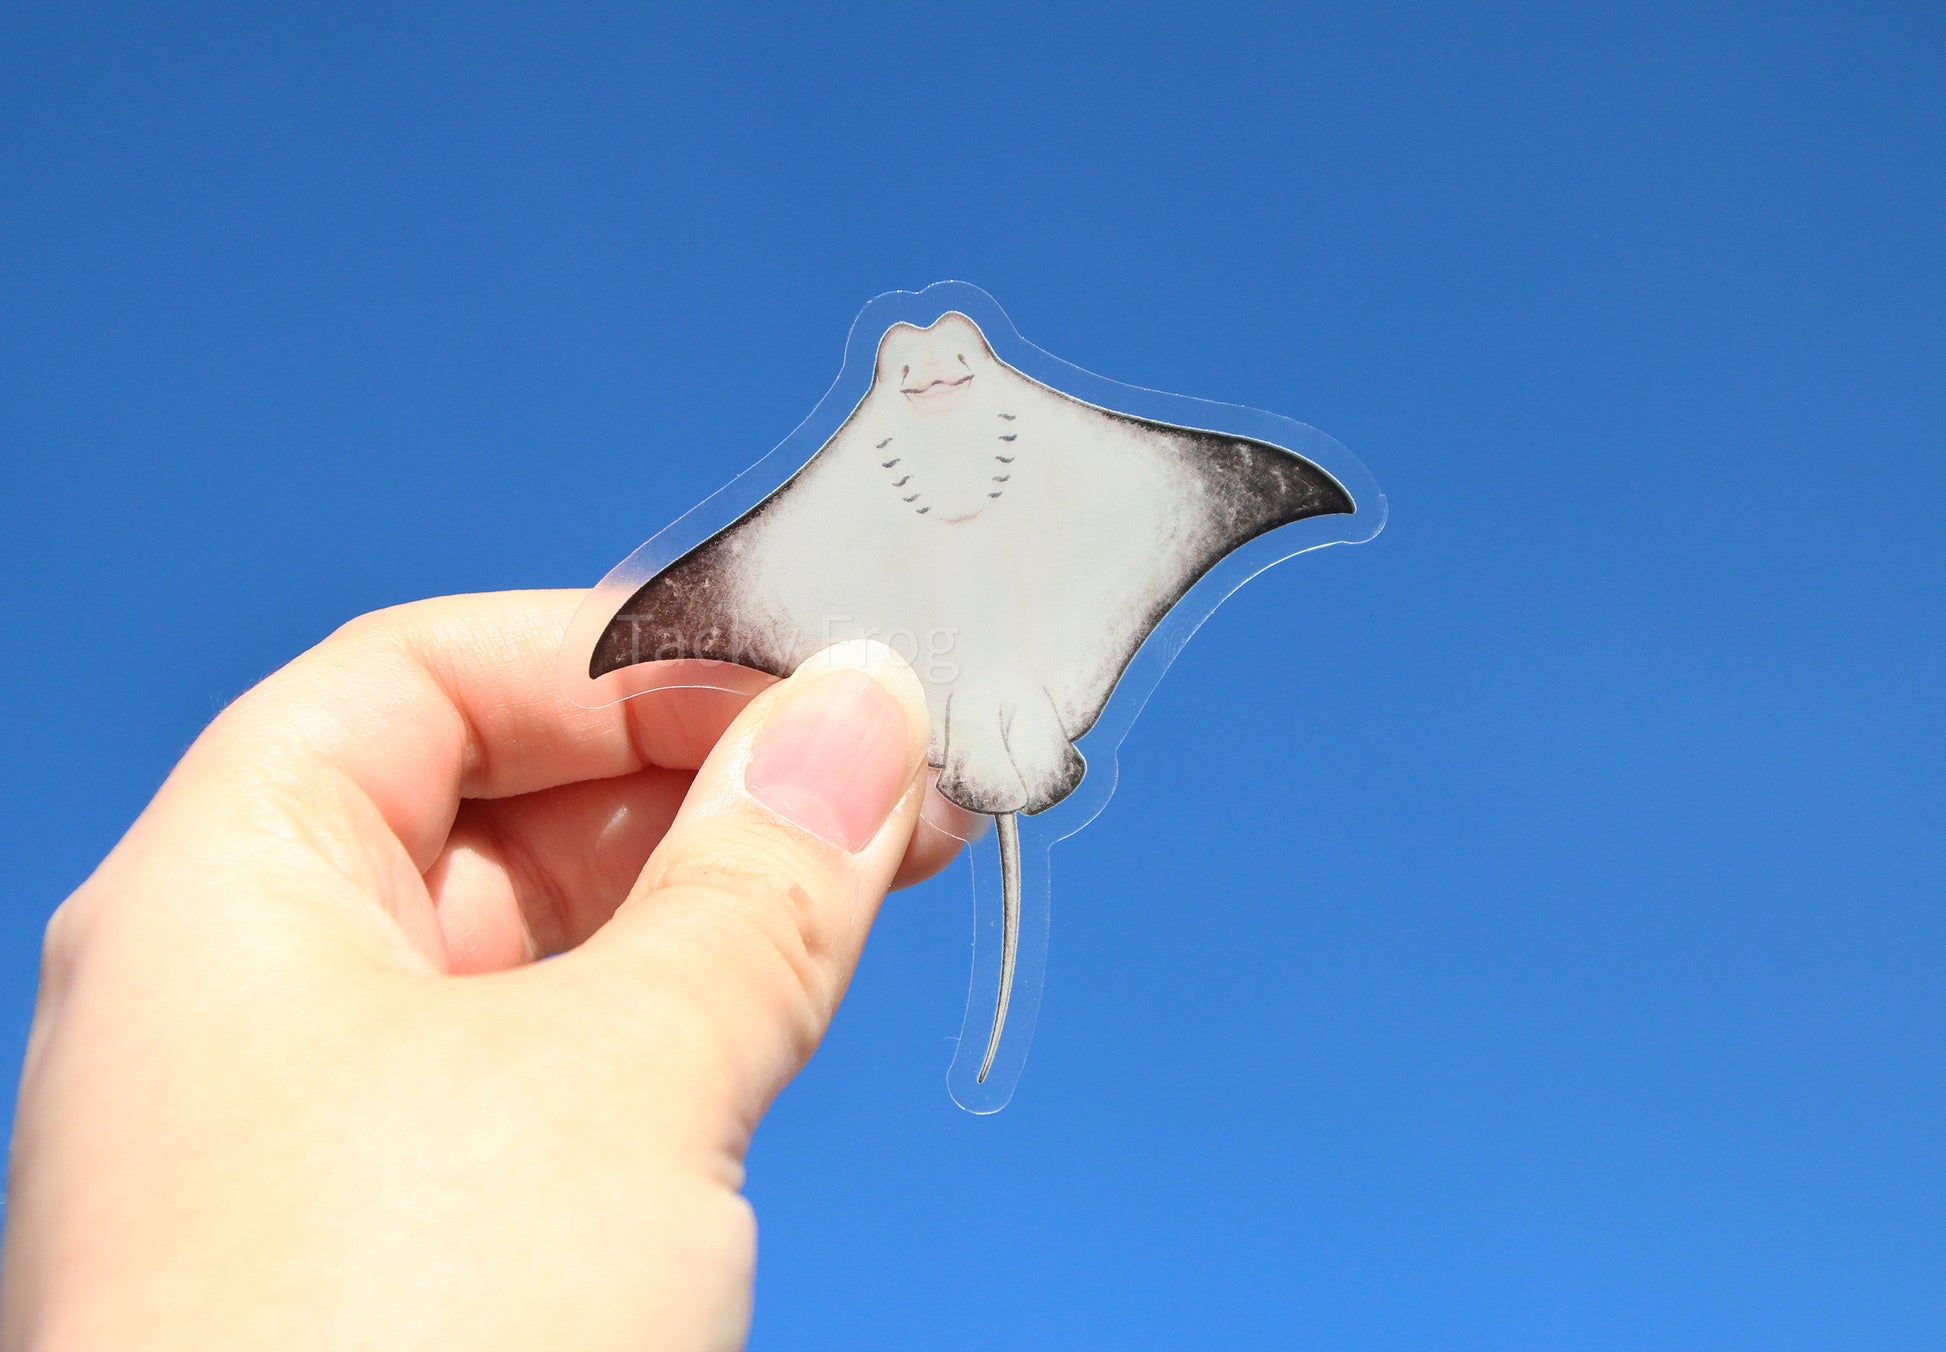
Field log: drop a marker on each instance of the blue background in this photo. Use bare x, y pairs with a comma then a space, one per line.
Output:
1524, 931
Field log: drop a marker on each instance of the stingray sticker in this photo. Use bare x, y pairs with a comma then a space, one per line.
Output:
1037, 541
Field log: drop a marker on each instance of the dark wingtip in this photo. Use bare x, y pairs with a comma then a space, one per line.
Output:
1306, 489
1337, 500
654, 627
601, 661
611, 653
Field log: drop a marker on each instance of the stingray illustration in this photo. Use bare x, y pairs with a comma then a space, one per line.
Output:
1023, 541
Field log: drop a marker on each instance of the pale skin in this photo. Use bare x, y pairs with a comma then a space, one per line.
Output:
296, 1077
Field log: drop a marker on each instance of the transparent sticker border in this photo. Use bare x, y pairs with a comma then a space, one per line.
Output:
1138, 681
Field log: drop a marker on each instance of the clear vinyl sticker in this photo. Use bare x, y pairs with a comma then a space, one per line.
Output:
1037, 541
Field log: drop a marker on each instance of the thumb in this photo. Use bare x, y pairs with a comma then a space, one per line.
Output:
746, 924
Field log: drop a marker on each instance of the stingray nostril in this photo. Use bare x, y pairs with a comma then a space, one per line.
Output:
904, 371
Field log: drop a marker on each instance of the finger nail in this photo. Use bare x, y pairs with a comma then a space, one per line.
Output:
839, 748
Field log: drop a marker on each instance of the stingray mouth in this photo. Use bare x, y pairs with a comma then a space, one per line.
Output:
959, 520
939, 394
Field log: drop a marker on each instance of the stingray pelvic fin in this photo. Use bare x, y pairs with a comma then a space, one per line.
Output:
1007, 825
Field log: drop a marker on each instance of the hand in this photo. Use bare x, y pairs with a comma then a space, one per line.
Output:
297, 1078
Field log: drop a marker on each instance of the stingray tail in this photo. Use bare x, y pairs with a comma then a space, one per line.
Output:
1008, 826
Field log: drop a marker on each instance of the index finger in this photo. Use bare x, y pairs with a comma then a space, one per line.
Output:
425, 704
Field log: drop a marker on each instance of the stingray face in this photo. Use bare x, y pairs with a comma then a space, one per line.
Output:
935, 388
934, 369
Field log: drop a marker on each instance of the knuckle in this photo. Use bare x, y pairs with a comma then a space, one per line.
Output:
377, 632
756, 862
59, 940
63, 941
405, 630
383, 625
783, 977
782, 910
371, 629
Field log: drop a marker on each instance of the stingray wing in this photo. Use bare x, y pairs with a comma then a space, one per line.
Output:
1201, 496
703, 606
1251, 487
1238, 488
811, 564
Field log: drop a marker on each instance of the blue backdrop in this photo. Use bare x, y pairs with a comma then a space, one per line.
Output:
1524, 931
